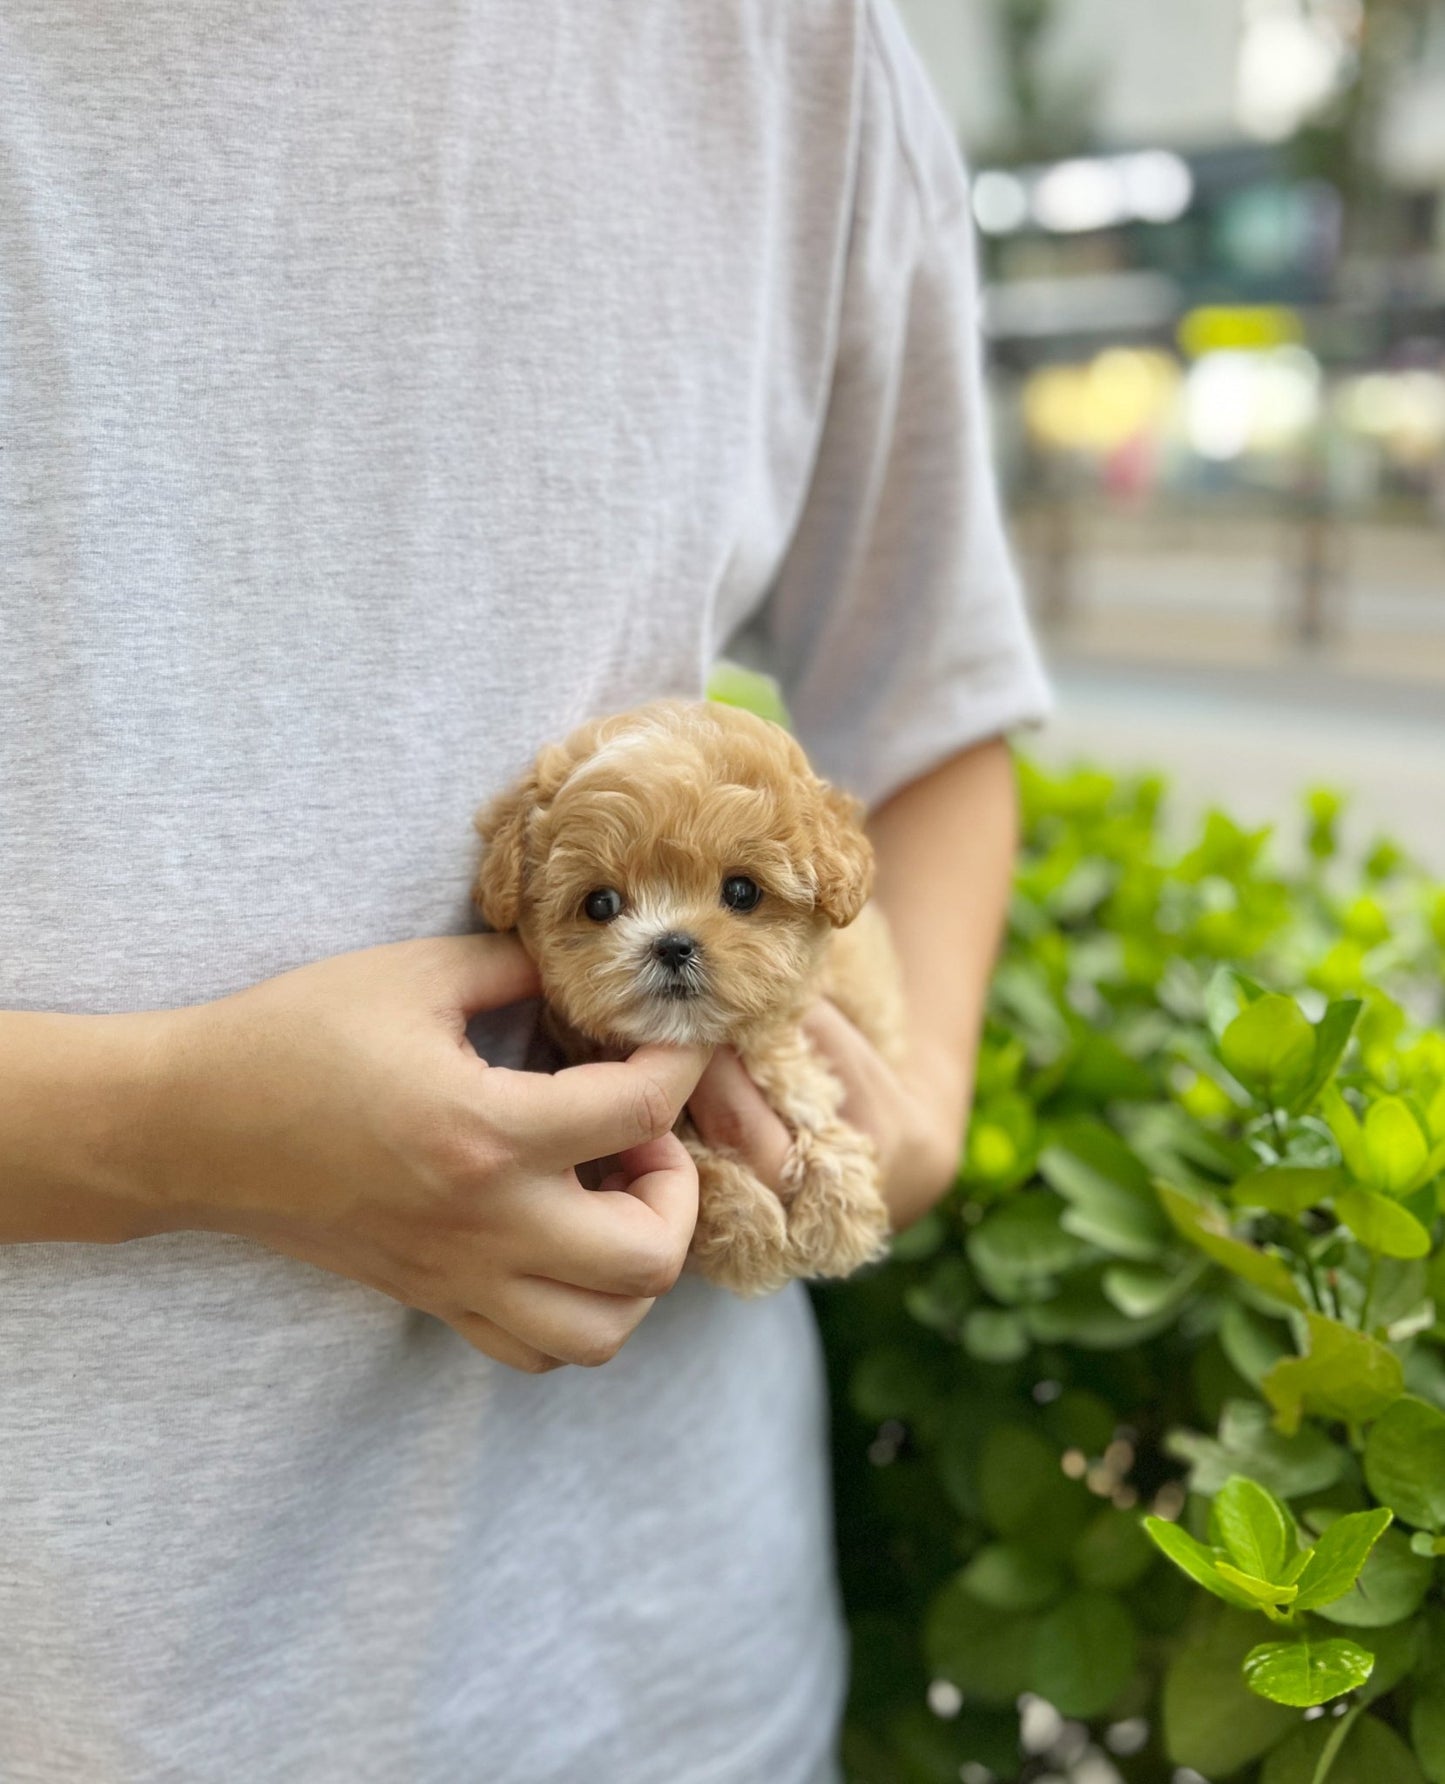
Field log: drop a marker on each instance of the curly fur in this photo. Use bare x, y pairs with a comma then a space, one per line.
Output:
662, 804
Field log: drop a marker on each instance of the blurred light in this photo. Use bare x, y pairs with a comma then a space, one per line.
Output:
944, 1699
1158, 186
1040, 1724
1000, 203
1123, 394
1125, 1738
1238, 328
1239, 402
1073, 196
1404, 412
1289, 64
1218, 413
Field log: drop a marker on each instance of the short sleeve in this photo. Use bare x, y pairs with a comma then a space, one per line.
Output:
896, 624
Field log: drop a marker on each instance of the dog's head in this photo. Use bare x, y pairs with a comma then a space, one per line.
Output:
673, 871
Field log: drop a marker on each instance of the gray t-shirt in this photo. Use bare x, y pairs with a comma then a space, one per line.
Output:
384, 387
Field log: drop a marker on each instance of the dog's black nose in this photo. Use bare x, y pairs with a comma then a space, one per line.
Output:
674, 950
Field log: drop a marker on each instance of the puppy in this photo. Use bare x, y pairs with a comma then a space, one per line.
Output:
680, 874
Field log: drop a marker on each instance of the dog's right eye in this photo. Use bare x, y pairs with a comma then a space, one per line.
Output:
603, 904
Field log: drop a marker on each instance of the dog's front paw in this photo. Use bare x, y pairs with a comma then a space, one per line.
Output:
837, 1218
741, 1238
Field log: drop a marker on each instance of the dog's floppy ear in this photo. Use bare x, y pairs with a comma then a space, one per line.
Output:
843, 856
497, 889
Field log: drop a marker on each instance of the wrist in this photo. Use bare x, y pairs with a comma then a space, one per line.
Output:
75, 1164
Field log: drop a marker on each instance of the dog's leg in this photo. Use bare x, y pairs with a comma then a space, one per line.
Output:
741, 1238
836, 1216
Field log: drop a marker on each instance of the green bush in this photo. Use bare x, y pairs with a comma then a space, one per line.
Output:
1148, 1421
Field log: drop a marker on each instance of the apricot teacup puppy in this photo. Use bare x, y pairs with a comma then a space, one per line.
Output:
679, 873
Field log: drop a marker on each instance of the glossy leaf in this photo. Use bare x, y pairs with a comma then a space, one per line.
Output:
1254, 1528
1199, 1562
1335, 1560
1304, 1673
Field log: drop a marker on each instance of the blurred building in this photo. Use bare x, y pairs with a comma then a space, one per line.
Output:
1214, 254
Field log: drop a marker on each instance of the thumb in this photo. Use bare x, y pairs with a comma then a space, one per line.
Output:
483, 972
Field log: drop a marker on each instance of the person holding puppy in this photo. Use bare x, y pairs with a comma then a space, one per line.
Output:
387, 389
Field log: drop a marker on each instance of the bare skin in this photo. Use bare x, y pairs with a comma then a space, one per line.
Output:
945, 846
338, 1114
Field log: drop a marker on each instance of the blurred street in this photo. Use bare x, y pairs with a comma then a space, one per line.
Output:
1180, 654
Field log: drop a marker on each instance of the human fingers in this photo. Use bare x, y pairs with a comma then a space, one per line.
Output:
591, 1111
732, 1114
501, 1346
574, 1325
480, 972
627, 1237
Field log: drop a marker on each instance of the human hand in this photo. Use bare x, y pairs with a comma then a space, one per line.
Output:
913, 1122
339, 1115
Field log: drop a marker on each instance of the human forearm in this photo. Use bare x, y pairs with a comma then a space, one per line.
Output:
73, 1093
945, 846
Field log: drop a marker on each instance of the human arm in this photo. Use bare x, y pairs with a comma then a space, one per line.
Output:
337, 1114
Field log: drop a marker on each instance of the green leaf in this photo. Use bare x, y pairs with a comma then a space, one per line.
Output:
985, 1652
1427, 1727
1113, 1552
1019, 1246
1227, 993
1391, 1587
1303, 1673
1349, 1135
1347, 1375
1332, 1036
1247, 1444
941, 1301
1206, 1228
1200, 1563
1252, 1343
1084, 1654
1212, 1721
1286, 1189
1016, 1470
1142, 1291
995, 1335
1395, 1149
1012, 1577
1253, 1528
1369, 1753
1381, 1224
1405, 1463
1270, 1047
1110, 1202
1333, 1564
1259, 1592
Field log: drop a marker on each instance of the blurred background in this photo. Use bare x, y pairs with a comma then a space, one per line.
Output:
1214, 258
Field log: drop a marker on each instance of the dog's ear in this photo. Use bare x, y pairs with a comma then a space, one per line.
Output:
502, 875
843, 856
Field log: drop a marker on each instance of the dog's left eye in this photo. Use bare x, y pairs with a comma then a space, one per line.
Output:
739, 893
603, 904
